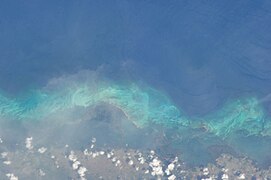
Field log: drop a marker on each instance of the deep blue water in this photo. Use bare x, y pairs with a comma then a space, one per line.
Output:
199, 53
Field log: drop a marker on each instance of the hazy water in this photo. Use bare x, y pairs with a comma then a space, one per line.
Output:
201, 55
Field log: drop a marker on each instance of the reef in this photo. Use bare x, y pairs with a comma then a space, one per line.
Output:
143, 105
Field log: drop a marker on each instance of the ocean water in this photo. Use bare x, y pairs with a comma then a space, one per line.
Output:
182, 78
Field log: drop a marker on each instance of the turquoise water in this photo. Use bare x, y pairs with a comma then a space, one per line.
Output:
144, 106
233, 124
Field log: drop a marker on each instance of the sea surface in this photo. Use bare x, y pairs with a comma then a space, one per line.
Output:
186, 79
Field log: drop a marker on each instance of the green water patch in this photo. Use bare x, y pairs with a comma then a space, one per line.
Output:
243, 115
143, 105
